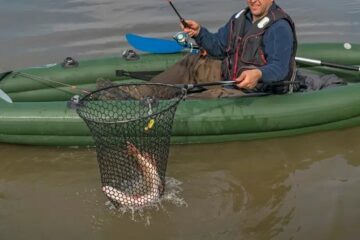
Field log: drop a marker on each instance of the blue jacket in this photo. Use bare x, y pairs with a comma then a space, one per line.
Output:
277, 45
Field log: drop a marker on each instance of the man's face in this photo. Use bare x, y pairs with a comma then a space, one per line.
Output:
259, 8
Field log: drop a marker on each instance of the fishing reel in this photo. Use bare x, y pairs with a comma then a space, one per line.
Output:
182, 38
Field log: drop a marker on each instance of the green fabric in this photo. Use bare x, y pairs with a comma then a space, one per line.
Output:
40, 116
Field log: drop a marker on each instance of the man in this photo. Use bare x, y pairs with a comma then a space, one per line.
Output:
256, 47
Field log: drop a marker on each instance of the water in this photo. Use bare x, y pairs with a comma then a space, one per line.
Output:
291, 188
303, 187
44, 31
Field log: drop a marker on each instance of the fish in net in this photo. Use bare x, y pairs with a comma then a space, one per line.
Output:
131, 125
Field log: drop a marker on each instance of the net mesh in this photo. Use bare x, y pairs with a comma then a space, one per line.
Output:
131, 125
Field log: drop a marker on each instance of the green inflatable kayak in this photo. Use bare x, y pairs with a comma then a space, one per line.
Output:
39, 114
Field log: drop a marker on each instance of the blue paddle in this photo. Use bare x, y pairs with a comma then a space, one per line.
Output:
156, 45
153, 45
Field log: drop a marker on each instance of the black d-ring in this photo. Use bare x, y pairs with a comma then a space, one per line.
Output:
130, 55
69, 62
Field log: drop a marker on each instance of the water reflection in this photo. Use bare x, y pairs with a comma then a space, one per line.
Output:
281, 189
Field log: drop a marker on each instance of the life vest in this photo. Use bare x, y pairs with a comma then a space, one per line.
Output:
245, 51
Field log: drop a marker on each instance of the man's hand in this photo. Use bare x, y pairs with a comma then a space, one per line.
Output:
192, 29
248, 79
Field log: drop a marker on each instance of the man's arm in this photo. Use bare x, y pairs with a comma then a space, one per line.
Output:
214, 43
278, 45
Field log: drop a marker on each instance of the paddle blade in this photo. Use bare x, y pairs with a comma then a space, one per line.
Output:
4, 96
153, 45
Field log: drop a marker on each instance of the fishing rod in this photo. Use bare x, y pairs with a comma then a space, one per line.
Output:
42, 80
73, 88
182, 20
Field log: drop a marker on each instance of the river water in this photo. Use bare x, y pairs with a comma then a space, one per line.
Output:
302, 187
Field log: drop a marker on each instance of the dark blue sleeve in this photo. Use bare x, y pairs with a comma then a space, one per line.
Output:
214, 43
278, 44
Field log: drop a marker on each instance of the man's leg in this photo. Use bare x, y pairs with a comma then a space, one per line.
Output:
178, 73
193, 69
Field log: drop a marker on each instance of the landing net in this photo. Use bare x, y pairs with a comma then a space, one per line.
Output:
131, 125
